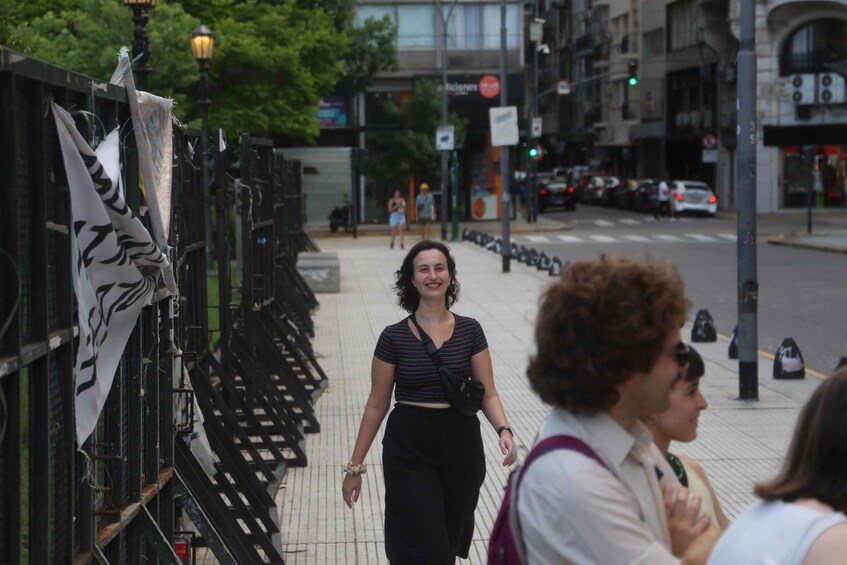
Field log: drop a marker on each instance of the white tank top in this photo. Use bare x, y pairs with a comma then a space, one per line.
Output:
773, 533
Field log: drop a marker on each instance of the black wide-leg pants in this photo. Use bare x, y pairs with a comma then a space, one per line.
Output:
434, 465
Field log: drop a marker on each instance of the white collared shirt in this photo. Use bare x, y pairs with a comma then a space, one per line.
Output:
572, 510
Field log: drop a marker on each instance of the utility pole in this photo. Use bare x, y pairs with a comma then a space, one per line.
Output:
748, 285
532, 209
504, 149
444, 153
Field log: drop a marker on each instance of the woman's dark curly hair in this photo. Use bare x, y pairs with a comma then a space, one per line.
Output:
407, 295
602, 321
816, 463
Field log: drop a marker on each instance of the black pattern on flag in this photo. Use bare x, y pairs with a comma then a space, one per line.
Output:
117, 266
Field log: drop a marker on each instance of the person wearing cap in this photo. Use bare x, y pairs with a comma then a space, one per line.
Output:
679, 423
425, 208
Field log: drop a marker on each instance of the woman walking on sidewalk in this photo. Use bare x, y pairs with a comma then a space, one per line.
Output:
433, 460
397, 217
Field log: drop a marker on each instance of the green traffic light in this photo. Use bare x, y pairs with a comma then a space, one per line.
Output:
633, 81
533, 152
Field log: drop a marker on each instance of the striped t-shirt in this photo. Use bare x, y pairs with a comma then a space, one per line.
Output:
416, 378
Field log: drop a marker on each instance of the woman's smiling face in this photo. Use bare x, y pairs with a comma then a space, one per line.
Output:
679, 421
431, 275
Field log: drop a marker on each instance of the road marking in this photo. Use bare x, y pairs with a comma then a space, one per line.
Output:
630, 221
538, 238
701, 237
603, 223
603, 238
637, 238
666, 237
729, 236
570, 238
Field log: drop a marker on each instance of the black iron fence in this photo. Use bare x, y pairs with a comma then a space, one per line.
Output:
141, 486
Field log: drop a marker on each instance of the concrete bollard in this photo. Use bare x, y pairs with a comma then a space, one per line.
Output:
788, 362
733, 344
555, 267
841, 362
523, 255
466, 234
532, 260
703, 329
543, 262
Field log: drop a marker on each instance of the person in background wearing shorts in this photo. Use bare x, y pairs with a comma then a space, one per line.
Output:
397, 217
425, 207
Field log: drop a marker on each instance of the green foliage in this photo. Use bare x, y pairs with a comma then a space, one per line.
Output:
403, 144
372, 51
274, 59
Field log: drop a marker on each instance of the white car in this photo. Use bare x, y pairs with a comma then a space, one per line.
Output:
693, 196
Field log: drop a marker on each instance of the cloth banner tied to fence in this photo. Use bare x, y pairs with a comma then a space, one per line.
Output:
116, 266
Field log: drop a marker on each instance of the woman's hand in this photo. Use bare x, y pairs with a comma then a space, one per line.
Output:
684, 521
351, 488
507, 448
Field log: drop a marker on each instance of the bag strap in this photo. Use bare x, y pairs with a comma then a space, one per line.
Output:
544, 446
428, 344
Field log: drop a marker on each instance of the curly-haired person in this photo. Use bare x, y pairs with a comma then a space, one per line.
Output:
432, 455
608, 351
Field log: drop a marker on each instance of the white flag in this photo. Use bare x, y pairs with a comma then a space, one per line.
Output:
116, 266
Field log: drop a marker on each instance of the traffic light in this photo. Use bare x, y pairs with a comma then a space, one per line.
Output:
633, 73
535, 152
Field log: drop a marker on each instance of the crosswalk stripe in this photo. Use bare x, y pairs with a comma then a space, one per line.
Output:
667, 237
729, 236
538, 238
602, 223
629, 221
570, 238
701, 237
637, 238
603, 238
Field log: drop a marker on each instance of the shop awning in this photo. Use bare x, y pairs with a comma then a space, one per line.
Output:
829, 134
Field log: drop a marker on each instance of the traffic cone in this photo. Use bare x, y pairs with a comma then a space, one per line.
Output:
703, 329
733, 344
788, 363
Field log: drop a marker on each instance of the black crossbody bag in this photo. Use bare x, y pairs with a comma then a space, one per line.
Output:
464, 395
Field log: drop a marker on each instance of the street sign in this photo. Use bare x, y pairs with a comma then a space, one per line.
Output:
504, 125
536, 127
709, 141
445, 138
563, 87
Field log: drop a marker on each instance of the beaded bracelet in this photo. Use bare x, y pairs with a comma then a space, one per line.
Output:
351, 469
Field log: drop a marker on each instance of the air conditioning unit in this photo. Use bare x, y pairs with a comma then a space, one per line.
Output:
830, 88
803, 89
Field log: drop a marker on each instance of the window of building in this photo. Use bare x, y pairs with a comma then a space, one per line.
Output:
375, 11
683, 26
416, 26
654, 43
812, 46
477, 26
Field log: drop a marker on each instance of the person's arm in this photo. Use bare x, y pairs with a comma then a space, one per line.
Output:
391, 205
723, 521
483, 371
376, 407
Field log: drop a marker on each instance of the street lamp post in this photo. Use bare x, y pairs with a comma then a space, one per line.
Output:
203, 49
140, 40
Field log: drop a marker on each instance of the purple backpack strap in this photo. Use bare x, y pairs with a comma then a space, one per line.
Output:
546, 445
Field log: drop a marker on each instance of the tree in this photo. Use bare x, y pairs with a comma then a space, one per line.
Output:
402, 142
371, 51
274, 59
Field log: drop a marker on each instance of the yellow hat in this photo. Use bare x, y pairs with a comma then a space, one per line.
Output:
424, 186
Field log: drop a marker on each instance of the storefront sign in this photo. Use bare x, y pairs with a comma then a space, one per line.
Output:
332, 112
710, 155
487, 86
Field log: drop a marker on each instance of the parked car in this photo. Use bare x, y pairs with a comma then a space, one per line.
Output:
593, 191
693, 196
627, 195
609, 196
556, 193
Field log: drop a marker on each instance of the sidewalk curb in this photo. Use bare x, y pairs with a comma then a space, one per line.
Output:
787, 241
385, 231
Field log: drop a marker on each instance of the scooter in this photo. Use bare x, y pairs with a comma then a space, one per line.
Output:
341, 216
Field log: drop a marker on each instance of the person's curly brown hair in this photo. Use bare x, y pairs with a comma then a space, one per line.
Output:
602, 321
407, 295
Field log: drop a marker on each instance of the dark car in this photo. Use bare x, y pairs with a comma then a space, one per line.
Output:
646, 196
556, 193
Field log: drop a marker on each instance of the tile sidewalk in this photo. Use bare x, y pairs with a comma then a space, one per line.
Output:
739, 443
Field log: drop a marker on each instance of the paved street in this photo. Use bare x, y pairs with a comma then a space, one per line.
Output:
739, 443
802, 291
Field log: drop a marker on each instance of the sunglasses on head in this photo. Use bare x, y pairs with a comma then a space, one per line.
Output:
681, 350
